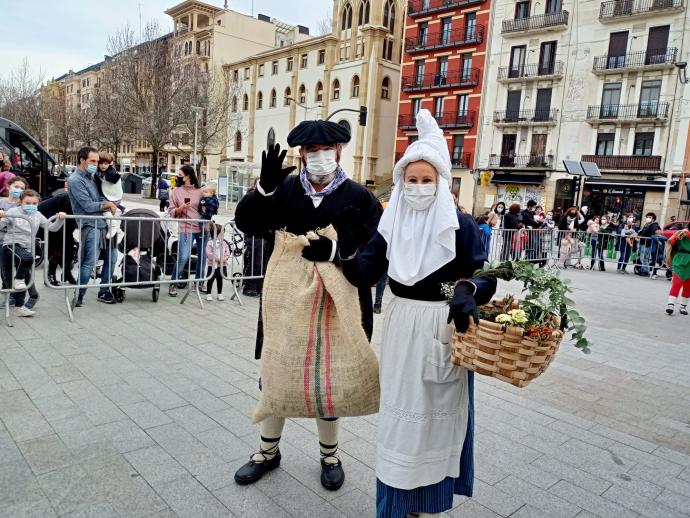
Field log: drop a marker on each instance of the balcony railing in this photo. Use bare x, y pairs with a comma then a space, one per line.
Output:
440, 40
461, 160
531, 71
523, 161
641, 111
446, 120
625, 162
469, 77
533, 23
525, 116
619, 8
640, 59
423, 7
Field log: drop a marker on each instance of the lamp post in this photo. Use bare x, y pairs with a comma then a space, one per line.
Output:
306, 108
196, 110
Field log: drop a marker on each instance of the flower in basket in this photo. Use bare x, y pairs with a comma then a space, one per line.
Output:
514, 317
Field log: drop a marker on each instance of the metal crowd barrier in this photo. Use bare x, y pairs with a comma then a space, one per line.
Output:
248, 260
8, 268
151, 244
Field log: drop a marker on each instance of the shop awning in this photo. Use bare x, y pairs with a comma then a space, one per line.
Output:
516, 178
640, 184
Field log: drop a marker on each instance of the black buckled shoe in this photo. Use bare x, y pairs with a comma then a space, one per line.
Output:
253, 470
332, 475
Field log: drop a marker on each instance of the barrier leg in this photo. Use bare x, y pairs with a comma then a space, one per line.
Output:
8, 313
192, 286
71, 304
236, 293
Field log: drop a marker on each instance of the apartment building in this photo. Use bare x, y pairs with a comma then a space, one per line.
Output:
443, 71
358, 64
590, 81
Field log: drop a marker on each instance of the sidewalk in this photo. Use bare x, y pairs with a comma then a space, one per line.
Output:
142, 410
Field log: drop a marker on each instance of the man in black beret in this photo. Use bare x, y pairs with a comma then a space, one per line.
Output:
313, 199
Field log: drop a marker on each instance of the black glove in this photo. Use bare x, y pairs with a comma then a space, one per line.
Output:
462, 307
272, 172
319, 250
352, 231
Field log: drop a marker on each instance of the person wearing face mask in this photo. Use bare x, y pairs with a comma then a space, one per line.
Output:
547, 237
607, 231
650, 229
593, 230
426, 418
299, 204
15, 187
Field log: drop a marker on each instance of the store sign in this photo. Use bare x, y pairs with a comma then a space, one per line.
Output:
512, 193
619, 191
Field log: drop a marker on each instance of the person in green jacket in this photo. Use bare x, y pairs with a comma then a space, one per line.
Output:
680, 285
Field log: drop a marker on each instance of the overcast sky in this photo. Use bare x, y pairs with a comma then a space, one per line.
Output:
56, 35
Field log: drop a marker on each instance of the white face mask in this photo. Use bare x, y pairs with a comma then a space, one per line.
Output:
648, 220
420, 196
630, 220
499, 210
322, 166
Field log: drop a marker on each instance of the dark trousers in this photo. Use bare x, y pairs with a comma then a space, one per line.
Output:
626, 251
163, 205
22, 259
217, 277
380, 290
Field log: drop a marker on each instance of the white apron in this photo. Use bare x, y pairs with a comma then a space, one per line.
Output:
424, 397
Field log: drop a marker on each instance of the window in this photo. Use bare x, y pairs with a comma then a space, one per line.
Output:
246, 73
538, 145
287, 96
649, 98
470, 26
517, 61
389, 15
355, 86
441, 71
261, 70
319, 92
419, 68
236, 75
547, 57
386, 88
259, 101
198, 47
336, 90
271, 138
610, 100
466, 68
644, 143
605, 143
238, 141
458, 149
363, 13
322, 57
346, 19
302, 94
388, 49
304, 62
439, 105
274, 68
463, 103
289, 64
274, 98
553, 6
522, 10
245, 103
446, 27
234, 104
422, 34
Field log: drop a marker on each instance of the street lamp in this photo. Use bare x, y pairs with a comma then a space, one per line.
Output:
306, 108
197, 110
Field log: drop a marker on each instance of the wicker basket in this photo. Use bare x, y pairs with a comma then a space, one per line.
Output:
503, 352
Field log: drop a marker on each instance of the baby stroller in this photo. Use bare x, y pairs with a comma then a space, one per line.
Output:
142, 243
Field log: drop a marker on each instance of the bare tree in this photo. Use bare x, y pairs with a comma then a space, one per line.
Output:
325, 26
20, 99
61, 130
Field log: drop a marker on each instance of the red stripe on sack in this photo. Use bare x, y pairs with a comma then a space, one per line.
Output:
310, 346
329, 400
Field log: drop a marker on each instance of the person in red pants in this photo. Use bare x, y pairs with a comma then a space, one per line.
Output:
680, 263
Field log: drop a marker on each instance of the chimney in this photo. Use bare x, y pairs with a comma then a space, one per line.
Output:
264, 18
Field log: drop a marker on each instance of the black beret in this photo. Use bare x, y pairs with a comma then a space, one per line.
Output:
318, 132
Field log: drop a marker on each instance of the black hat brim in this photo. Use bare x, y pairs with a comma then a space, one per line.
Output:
326, 133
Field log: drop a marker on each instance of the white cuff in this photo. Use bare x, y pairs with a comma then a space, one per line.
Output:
261, 190
334, 251
473, 285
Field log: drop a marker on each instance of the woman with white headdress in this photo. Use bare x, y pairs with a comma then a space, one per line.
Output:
425, 426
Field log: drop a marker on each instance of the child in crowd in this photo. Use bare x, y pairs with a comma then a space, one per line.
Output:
218, 256
485, 227
110, 188
208, 207
568, 248
628, 236
21, 224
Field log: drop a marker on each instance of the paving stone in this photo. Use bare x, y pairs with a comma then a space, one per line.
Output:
589, 501
34, 505
46, 454
17, 483
224, 444
71, 489
146, 414
496, 500
102, 510
155, 465
640, 504
250, 502
538, 498
191, 419
64, 373
572, 474
8, 449
472, 509
675, 501
235, 422
205, 401
21, 417
175, 440
188, 498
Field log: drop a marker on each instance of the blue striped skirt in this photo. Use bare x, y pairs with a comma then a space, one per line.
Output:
436, 498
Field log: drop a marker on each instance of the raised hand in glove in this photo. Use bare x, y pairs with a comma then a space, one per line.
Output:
272, 171
352, 231
319, 250
463, 306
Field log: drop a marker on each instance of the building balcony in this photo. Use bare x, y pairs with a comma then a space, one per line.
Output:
461, 161
625, 162
542, 22
446, 120
540, 117
658, 59
468, 77
443, 40
643, 112
615, 10
531, 161
531, 72
417, 8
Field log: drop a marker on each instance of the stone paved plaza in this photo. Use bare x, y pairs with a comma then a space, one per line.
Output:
142, 409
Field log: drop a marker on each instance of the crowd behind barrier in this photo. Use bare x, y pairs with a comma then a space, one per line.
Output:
18, 273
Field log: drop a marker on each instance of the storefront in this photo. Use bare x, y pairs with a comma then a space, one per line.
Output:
617, 197
517, 188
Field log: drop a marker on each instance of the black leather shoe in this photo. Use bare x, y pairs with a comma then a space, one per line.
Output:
332, 475
252, 471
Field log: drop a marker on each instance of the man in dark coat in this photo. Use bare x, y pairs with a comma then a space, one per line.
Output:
314, 199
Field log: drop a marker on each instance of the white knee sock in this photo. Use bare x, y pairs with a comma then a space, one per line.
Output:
672, 300
271, 430
328, 440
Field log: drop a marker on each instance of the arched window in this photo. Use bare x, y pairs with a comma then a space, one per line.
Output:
346, 20
355, 86
286, 97
303, 94
336, 90
386, 88
273, 99
238, 141
363, 13
245, 102
259, 101
389, 15
234, 104
319, 92
271, 138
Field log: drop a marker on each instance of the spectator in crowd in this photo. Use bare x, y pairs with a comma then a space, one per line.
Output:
679, 259
86, 201
483, 222
497, 213
218, 257
14, 189
531, 224
627, 236
16, 160
5, 177
607, 230
583, 219
163, 194
209, 204
512, 222
59, 253
593, 229
650, 229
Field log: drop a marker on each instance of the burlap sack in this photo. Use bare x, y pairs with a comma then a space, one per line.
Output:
316, 360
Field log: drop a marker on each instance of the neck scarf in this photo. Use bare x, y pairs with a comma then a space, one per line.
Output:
340, 178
